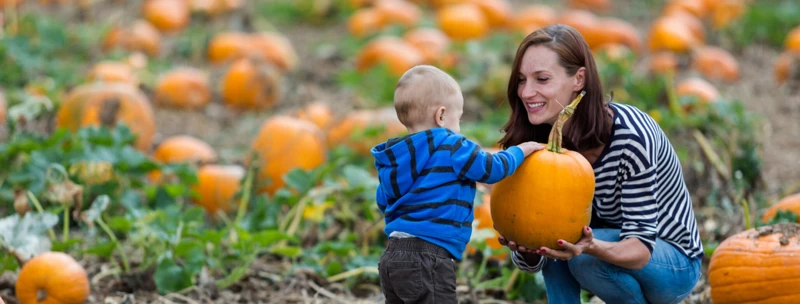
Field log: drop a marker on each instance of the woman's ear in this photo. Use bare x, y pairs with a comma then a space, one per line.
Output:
439, 116
580, 79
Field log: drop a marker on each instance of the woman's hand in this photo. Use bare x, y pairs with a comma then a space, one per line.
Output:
569, 250
514, 246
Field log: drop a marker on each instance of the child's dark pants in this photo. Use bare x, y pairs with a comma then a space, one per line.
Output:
415, 271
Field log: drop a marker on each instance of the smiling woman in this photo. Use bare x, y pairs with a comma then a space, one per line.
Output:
643, 245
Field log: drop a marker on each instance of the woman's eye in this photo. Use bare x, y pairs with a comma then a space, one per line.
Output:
522, 80
543, 79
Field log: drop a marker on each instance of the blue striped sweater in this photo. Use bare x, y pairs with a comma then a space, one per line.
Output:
639, 188
427, 184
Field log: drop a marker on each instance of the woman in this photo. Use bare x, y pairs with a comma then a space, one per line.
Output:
643, 245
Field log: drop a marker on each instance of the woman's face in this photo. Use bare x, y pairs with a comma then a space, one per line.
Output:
544, 86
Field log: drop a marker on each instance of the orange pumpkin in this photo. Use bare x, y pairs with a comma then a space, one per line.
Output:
694, 24
792, 43
319, 113
585, 22
184, 148
431, 42
724, 12
9, 3
695, 7
618, 31
715, 63
275, 48
463, 21
216, 186
167, 15
497, 12
533, 17
107, 104
663, 63
592, 5
350, 130
365, 21
112, 71
670, 34
789, 203
483, 215
392, 51
699, 88
52, 277
399, 12
549, 197
758, 265
285, 143
215, 7
227, 45
140, 36
249, 84
786, 66
183, 88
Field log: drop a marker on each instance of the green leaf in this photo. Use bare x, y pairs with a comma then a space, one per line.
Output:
287, 251
102, 249
170, 277
333, 268
120, 223
300, 180
98, 206
26, 235
269, 237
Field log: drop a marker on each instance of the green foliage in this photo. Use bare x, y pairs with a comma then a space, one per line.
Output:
767, 22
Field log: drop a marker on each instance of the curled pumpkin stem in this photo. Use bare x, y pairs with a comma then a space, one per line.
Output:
554, 143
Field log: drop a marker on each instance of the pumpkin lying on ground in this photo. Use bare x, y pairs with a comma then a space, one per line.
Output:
139, 36
463, 21
183, 88
365, 21
52, 277
483, 214
107, 104
285, 143
715, 63
699, 88
251, 84
432, 43
789, 203
272, 47
759, 265
786, 67
181, 148
549, 197
532, 17
670, 34
396, 53
167, 15
363, 129
227, 45
663, 63
317, 112
217, 185
113, 71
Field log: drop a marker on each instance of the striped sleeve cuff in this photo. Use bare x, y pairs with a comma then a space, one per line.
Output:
518, 260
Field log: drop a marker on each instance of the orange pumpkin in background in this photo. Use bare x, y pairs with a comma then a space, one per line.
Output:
663, 62
184, 148
533, 17
227, 46
275, 48
759, 265
365, 21
251, 84
464, 21
167, 15
786, 66
285, 143
498, 12
671, 34
139, 36
184, 87
789, 203
397, 54
112, 71
699, 88
217, 185
357, 130
52, 277
319, 113
398, 12
107, 104
715, 63
431, 42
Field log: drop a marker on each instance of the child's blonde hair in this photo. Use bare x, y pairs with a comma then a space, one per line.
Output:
421, 89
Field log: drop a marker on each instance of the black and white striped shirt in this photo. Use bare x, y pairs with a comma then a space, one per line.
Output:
639, 187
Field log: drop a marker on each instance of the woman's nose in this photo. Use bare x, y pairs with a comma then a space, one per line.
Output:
529, 91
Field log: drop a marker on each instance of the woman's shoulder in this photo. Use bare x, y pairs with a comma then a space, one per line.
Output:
632, 117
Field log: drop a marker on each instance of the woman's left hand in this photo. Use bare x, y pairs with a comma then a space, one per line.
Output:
569, 250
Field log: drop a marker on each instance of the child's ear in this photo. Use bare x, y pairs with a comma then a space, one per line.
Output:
440, 116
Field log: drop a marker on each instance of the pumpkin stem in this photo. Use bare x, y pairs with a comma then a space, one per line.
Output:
556, 138
41, 295
108, 112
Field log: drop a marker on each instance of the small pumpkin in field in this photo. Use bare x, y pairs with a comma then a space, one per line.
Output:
585, 22
251, 84
285, 143
399, 12
786, 67
167, 15
497, 12
789, 203
184, 87
726, 12
227, 45
694, 24
319, 113
113, 71
549, 197
758, 265
618, 31
715, 63
670, 34
463, 21
483, 215
397, 54
274, 47
365, 21
431, 42
699, 88
533, 17
363, 129
217, 185
52, 277
215, 7
695, 7
792, 43
592, 5
139, 36
663, 63
182, 148
107, 104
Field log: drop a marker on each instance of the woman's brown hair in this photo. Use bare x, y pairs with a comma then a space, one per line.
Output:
589, 127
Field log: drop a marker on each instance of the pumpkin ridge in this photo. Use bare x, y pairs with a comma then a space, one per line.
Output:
772, 283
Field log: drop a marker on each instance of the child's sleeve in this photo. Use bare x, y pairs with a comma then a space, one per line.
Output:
472, 163
380, 197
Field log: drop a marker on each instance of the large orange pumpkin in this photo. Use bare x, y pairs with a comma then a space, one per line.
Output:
167, 15
52, 278
183, 88
285, 143
618, 31
397, 54
789, 203
107, 104
250, 84
759, 265
695, 7
217, 185
463, 21
715, 63
549, 197
695, 25
670, 34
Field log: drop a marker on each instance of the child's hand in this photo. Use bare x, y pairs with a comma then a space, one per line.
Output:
530, 147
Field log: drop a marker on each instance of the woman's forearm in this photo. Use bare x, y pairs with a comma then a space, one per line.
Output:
629, 253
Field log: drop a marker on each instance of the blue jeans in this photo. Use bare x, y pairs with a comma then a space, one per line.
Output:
669, 277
